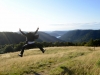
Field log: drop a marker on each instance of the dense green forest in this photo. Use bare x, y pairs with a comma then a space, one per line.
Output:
13, 41
17, 47
80, 35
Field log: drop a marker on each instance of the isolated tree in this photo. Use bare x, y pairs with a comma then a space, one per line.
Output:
90, 43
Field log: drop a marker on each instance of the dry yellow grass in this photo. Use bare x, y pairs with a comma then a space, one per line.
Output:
72, 60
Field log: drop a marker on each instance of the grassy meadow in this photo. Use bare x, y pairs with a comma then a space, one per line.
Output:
71, 60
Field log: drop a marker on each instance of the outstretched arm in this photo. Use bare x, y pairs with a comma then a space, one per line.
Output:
22, 32
36, 30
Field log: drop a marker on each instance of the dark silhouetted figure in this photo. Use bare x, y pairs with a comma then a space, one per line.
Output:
30, 41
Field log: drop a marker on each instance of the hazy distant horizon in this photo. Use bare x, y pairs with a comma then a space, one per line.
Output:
50, 30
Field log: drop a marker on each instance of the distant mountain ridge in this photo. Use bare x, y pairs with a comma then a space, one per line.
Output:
80, 35
14, 37
48, 38
56, 34
67, 36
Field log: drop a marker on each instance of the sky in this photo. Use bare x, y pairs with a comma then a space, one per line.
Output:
49, 15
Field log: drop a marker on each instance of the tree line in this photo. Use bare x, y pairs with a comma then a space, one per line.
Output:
17, 47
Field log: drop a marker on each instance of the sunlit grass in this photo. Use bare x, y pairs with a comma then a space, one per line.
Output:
55, 61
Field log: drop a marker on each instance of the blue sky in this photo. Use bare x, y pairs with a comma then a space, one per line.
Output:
49, 15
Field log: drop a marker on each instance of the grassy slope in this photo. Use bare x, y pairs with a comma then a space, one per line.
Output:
55, 61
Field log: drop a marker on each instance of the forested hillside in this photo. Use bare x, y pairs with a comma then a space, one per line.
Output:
12, 42
80, 35
70, 36
48, 38
13, 38
10, 38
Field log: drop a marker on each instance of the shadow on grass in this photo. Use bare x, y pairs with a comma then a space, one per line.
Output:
66, 71
30, 73
36, 73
